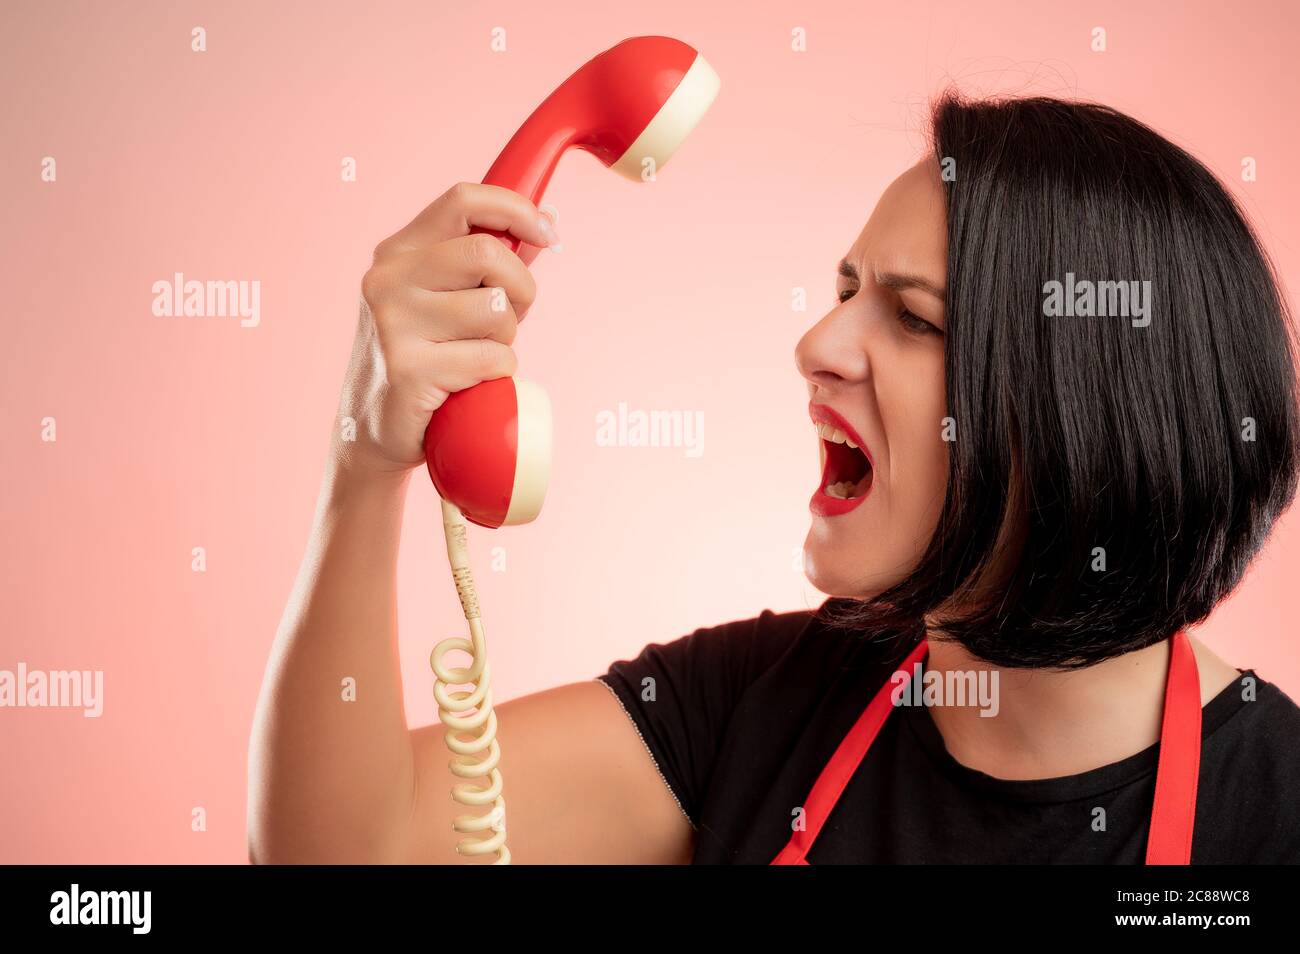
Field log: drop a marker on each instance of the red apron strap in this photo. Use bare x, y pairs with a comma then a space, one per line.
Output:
837, 772
1173, 813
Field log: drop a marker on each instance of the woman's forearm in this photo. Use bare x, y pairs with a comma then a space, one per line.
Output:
331, 773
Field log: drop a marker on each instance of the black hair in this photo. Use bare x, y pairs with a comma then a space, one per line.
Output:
1127, 472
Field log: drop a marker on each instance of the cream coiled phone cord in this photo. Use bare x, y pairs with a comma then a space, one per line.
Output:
469, 735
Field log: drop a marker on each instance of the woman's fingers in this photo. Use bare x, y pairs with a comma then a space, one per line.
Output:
467, 314
527, 253
466, 205
455, 365
467, 262
464, 263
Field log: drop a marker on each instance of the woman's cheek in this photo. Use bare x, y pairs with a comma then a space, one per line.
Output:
919, 456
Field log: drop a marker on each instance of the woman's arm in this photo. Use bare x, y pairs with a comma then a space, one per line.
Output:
328, 777
340, 779
335, 781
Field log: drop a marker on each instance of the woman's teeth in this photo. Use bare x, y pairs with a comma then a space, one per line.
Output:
835, 435
846, 489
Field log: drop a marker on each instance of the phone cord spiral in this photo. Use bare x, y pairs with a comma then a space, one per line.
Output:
471, 735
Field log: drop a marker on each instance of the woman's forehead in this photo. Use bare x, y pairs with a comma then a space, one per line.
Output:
907, 230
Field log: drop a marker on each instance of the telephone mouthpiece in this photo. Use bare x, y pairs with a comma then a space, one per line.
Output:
488, 449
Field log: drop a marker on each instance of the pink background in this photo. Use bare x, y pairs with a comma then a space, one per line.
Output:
182, 432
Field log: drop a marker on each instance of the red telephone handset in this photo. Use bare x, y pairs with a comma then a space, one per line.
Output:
488, 446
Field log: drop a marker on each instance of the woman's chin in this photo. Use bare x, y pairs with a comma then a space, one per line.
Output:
835, 574
827, 574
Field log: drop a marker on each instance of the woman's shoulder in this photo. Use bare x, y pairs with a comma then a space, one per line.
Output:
781, 642
682, 694
1255, 703
1250, 772
739, 649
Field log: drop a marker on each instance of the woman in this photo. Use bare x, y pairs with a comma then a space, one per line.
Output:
1057, 409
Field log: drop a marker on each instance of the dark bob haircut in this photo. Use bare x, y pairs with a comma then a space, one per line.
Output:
1111, 476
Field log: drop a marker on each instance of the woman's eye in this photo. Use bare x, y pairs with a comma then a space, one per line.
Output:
913, 323
917, 325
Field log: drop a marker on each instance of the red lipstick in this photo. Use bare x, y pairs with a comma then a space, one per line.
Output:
848, 473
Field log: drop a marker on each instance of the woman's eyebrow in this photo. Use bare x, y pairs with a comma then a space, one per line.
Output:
895, 280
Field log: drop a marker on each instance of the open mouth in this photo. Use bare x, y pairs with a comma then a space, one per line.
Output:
846, 469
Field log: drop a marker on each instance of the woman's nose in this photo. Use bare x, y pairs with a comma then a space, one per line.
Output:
833, 351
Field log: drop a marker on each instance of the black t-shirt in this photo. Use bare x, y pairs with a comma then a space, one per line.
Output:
741, 718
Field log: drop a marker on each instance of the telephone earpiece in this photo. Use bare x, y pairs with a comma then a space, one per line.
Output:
488, 447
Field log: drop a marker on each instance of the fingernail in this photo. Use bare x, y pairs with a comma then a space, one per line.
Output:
548, 231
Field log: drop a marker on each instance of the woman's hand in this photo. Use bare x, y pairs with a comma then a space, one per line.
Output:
439, 309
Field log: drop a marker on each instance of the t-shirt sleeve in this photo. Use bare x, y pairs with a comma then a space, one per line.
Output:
681, 695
